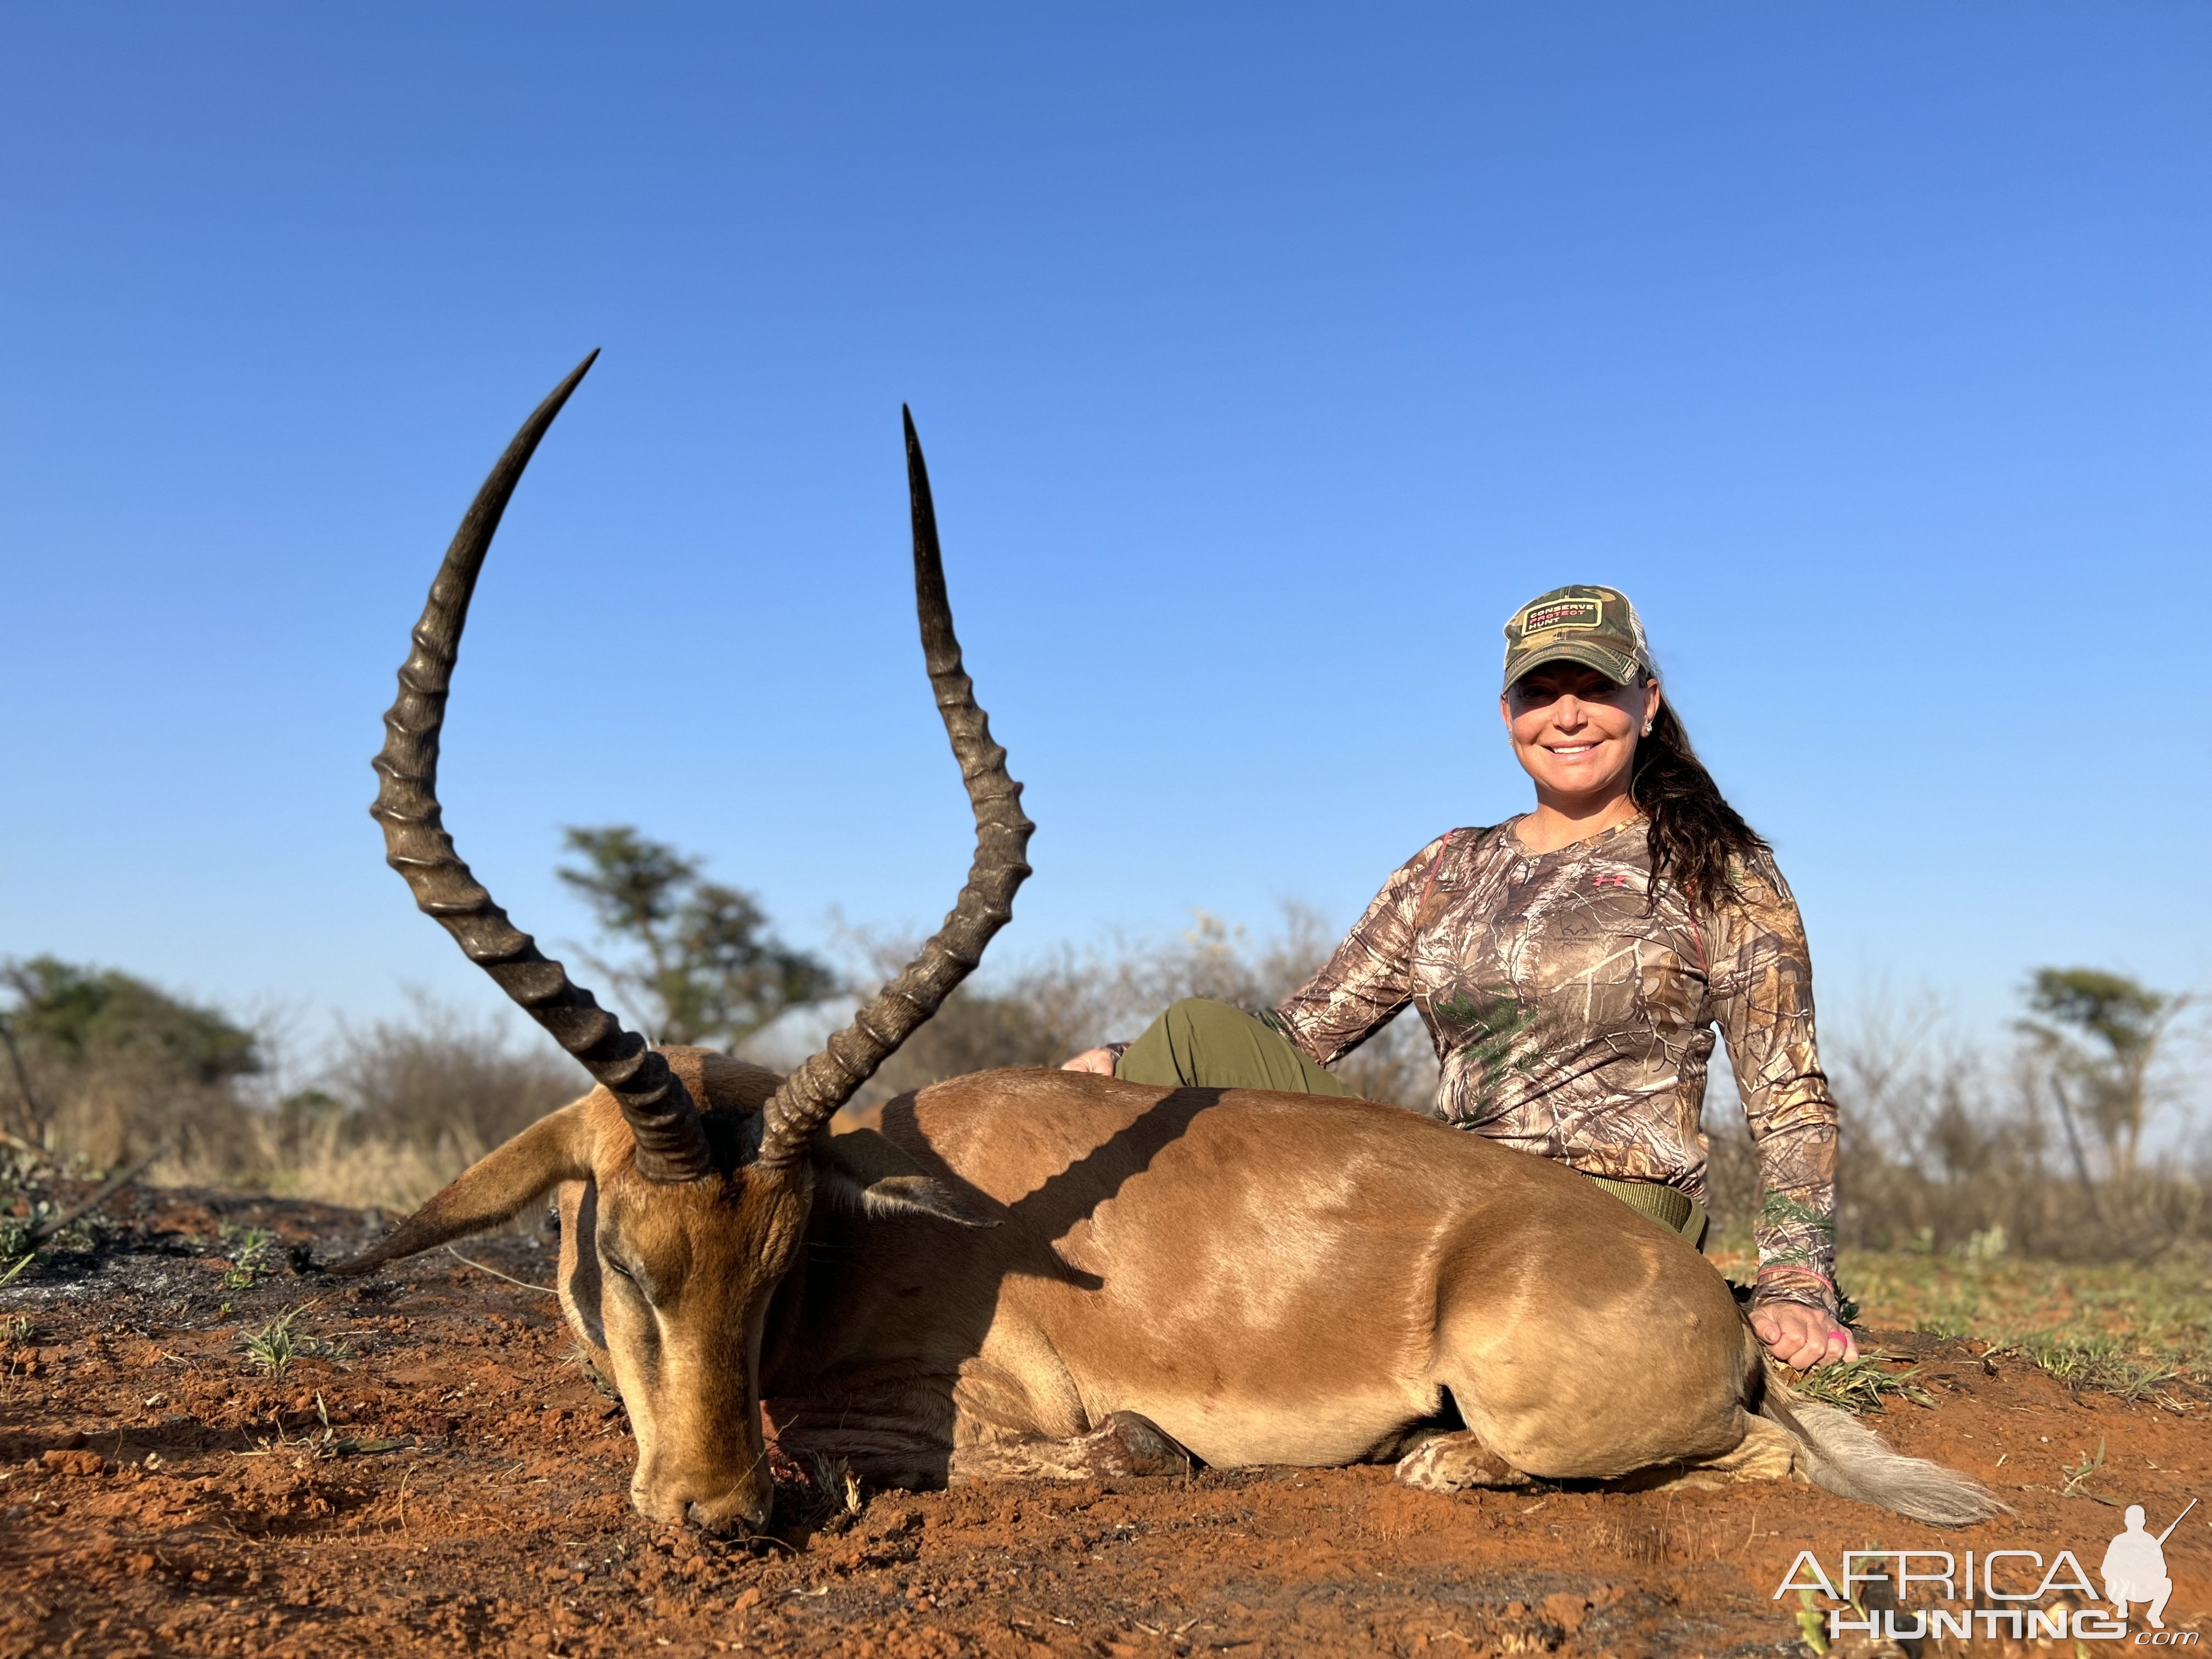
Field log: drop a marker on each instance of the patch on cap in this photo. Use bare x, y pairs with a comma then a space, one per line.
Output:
1560, 613
1595, 626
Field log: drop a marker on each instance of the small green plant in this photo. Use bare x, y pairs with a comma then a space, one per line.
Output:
274, 1345
2078, 1475
19, 1329
1812, 1623
248, 1250
1864, 1384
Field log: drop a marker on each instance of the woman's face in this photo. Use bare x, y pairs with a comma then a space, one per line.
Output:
1574, 730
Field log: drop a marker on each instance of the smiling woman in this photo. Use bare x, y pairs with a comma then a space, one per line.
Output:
1572, 964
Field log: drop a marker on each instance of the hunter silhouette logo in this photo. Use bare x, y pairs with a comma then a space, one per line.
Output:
2135, 1567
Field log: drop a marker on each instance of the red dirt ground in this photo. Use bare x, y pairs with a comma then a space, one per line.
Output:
468, 1494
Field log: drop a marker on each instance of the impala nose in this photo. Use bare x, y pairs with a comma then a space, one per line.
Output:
742, 1511
739, 1506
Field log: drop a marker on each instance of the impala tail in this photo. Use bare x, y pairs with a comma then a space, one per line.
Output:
1842, 1455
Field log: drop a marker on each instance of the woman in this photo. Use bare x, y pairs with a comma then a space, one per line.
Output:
1571, 964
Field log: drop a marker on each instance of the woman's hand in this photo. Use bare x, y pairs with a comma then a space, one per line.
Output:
1100, 1060
1802, 1337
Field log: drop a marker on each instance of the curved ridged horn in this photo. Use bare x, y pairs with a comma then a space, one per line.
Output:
810, 1094
671, 1143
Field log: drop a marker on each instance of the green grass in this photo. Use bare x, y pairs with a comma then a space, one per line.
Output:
1862, 1385
2105, 1365
2141, 1331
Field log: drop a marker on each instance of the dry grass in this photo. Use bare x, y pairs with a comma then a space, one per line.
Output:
402, 1107
370, 1174
331, 1164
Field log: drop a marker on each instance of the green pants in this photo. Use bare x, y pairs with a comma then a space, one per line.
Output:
1198, 1044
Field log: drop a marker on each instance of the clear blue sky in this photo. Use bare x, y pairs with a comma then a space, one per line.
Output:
1266, 357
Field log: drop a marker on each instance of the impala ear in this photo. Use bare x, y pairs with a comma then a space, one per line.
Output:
903, 1195
864, 1171
495, 1188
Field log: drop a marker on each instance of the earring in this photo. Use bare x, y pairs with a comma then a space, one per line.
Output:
1647, 728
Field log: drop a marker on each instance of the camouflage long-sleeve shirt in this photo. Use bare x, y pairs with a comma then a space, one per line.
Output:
1575, 1022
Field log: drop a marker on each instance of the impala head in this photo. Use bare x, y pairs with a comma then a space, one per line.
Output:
686, 1177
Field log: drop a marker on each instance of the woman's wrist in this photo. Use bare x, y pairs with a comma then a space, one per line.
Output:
1790, 1283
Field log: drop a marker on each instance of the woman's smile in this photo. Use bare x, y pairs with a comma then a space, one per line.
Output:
1575, 731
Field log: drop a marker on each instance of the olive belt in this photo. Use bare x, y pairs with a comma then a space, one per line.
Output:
1670, 1207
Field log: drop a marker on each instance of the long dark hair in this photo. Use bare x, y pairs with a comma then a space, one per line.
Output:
1694, 832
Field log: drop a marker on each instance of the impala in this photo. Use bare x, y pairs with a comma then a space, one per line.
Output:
1033, 1273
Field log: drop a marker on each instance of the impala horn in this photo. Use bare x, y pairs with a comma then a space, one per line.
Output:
811, 1094
672, 1142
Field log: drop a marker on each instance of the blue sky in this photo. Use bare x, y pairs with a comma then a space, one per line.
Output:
1266, 357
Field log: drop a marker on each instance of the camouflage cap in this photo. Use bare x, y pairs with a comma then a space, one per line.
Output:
1595, 626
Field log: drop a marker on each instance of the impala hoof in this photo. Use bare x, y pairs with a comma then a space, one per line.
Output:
1139, 1446
1125, 1444
1454, 1462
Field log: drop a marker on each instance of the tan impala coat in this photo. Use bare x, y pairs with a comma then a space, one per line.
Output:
1270, 1279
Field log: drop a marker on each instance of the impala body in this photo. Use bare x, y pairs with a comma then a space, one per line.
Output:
1054, 1273
1266, 1278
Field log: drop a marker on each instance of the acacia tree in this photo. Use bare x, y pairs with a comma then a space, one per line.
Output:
699, 964
99, 1054
2101, 1034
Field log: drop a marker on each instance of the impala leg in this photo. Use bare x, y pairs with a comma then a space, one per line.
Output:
1125, 1444
1766, 1452
1455, 1461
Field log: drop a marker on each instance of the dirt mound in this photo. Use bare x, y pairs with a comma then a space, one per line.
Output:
413, 1464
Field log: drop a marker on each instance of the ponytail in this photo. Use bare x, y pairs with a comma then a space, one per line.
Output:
1694, 832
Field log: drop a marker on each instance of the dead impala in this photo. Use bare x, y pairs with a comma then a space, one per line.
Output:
1055, 1273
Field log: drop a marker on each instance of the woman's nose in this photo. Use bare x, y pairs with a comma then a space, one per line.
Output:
1568, 713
